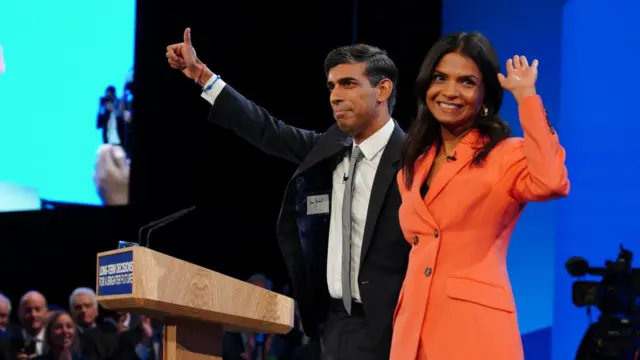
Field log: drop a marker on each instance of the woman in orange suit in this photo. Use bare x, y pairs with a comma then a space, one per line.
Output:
464, 183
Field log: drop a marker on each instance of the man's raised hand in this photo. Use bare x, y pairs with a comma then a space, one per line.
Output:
182, 56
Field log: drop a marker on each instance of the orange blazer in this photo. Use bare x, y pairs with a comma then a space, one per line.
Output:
456, 302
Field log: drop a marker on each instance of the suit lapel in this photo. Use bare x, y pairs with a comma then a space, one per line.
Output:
385, 176
330, 145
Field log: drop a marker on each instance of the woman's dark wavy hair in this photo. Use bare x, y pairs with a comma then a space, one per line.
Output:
425, 130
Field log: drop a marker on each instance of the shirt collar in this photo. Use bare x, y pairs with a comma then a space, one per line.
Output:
372, 145
39, 337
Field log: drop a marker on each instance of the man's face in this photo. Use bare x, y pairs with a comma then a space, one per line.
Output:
84, 312
33, 309
353, 99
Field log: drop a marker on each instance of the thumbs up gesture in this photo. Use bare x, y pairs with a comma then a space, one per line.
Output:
182, 56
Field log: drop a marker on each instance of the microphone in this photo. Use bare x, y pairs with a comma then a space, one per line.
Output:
154, 225
577, 266
452, 157
345, 178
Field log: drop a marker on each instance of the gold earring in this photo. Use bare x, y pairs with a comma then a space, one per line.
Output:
485, 111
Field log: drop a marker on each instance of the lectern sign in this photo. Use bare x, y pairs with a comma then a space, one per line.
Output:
115, 274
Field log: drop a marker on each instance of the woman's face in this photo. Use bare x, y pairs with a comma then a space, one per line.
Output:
456, 92
64, 331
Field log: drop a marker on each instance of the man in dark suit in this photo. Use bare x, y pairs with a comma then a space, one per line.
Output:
102, 337
29, 341
338, 228
111, 118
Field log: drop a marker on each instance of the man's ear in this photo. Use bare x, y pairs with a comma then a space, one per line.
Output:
383, 90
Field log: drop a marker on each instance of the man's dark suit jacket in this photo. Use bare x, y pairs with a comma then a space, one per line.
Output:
127, 342
121, 127
304, 238
103, 338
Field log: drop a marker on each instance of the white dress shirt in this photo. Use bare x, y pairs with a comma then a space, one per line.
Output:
211, 94
112, 130
364, 175
39, 339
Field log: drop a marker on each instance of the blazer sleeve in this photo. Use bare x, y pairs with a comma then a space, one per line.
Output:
254, 124
534, 167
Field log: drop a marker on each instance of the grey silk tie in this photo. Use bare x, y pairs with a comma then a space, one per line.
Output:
356, 156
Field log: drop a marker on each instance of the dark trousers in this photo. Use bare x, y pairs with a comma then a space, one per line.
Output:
345, 336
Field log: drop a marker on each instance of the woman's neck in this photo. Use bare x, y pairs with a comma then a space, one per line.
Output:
452, 136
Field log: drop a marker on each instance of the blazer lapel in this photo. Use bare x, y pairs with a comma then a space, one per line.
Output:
385, 176
422, 168
464, 152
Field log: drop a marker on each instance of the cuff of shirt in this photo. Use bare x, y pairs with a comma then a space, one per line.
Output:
142, 351
212, 92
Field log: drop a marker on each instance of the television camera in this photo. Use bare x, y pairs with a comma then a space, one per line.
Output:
616, 333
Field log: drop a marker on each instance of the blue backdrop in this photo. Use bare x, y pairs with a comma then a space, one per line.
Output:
59, 57
599, 51
586, 49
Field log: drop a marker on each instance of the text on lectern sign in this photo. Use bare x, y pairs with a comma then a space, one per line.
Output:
115, 274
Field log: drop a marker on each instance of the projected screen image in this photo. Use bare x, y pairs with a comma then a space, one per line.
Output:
66, 76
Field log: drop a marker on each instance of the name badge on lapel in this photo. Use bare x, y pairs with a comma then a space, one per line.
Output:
317, 204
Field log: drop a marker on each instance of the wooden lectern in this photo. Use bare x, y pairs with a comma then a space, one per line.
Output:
196, 304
